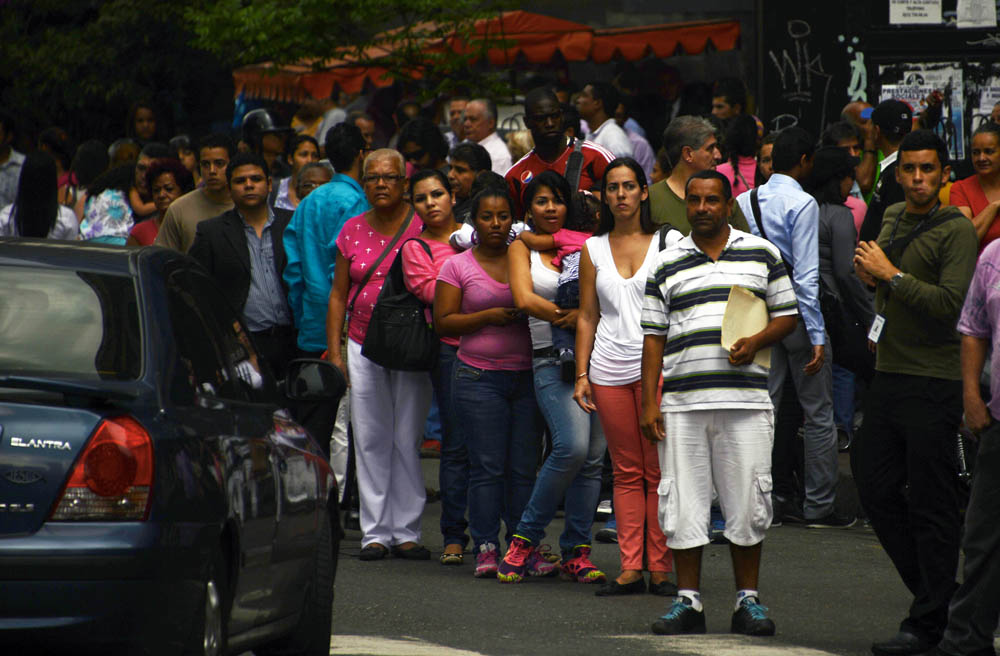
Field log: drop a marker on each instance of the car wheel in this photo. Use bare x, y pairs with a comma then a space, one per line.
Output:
311, 636
208, 637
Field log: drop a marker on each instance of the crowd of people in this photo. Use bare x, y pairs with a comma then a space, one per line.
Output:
578, 280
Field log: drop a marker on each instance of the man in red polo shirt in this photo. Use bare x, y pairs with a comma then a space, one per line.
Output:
543, 116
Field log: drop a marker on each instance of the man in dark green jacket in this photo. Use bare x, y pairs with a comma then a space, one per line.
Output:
921, 265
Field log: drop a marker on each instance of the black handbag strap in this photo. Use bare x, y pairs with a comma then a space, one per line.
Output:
394, 278
574, 165
755, 208
371, 271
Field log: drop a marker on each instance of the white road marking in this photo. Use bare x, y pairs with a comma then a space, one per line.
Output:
375, 646
722, 645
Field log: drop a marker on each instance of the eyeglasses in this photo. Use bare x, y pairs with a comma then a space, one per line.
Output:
414, 155
387, 178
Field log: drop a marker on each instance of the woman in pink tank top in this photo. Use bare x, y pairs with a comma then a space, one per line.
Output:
493, 396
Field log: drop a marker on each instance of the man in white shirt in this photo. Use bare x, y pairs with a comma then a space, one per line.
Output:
479, 124
597, 104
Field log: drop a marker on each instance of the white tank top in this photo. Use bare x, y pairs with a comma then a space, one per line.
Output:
617, 355
545, 282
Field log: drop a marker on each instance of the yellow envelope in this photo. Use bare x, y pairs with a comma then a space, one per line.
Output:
745, 315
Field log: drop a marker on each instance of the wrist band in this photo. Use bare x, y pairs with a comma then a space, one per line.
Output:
871, 151
581, 375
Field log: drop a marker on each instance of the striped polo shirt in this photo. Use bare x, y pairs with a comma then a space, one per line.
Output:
686, 295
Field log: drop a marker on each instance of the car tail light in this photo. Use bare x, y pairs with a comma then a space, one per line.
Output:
113, 476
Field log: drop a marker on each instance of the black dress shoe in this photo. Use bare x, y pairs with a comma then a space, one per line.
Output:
663, 588
373, 551
903, 643
417, 552
614, 589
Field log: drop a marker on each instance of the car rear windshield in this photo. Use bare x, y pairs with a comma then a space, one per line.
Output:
68, 324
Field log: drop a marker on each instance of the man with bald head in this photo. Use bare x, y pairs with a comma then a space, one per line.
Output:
479, 125
858, 113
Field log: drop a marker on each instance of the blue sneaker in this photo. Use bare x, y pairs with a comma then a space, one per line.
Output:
751, 619
608, 534
680, 619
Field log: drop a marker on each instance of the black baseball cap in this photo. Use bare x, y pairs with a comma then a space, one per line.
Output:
893, 117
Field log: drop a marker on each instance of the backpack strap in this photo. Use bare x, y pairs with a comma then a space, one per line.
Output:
662, 234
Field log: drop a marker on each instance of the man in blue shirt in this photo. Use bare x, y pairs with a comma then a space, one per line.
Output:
789, 218
311, 235
310, 245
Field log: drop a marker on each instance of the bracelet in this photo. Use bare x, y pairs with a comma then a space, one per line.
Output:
581, 375
874, 152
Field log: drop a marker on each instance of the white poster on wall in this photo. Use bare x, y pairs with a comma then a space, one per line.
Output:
914, 82
914, 12
988, 99
977, 13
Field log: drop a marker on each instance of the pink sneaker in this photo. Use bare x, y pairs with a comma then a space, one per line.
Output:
580, 569
512, 567
486, 561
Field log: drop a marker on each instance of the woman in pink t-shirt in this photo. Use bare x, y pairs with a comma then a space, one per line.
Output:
493, 396
434, 201
388, 407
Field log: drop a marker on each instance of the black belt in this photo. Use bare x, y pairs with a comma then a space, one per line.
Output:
547, 352
274, 331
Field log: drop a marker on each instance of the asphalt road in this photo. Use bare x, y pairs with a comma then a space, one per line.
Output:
829, 591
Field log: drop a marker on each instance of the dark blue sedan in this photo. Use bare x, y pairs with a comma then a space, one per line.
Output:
156, 495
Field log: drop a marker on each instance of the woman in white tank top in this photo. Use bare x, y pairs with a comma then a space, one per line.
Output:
573, 468
609, 338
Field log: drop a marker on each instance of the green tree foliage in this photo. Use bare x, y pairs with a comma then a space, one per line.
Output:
81, 64
393, 34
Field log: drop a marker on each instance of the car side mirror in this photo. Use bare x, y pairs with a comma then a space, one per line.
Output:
310, 379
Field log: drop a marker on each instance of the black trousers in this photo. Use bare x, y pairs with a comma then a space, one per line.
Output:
788, 452
316, 417
277, 348
976, 605
905, 465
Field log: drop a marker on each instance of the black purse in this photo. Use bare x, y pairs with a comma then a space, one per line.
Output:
399, 336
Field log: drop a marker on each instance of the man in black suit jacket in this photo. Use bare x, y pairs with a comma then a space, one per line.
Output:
243, 250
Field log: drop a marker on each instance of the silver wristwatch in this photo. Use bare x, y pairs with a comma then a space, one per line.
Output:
894, 281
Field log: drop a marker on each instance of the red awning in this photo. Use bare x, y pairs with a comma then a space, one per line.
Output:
665, 40
533, 37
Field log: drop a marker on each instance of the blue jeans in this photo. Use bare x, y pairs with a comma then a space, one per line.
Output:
453, 473
572, 470
497, 410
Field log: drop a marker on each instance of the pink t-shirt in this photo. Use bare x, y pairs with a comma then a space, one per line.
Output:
568, 242
503, 348
748, 169
858, 209
420, 272
360, 244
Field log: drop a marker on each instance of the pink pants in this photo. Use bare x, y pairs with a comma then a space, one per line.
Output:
637, 475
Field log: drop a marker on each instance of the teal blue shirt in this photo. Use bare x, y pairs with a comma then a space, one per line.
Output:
310, 246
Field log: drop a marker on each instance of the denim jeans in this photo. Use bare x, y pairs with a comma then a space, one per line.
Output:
453, 473
572, 470
498, 413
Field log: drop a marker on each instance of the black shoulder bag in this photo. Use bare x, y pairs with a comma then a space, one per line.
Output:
399, 336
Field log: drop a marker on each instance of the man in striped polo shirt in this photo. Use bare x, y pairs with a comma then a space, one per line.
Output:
715, 412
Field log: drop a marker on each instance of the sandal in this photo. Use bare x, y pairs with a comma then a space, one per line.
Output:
452, 558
